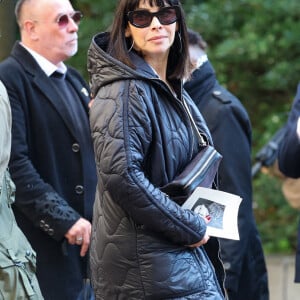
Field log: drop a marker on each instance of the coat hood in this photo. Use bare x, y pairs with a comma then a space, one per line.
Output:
104, 69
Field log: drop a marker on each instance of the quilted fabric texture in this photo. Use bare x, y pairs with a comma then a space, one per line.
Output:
142, 139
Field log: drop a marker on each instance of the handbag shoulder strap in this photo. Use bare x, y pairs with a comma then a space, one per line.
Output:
201, 140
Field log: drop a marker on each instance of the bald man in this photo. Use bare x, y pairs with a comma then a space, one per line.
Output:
52, 159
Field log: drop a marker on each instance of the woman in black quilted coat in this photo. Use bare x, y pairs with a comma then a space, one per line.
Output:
144, 245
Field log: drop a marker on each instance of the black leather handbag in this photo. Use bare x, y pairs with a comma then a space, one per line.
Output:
201, 171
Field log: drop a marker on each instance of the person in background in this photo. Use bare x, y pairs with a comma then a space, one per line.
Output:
144, 245
52, 159
245, 268
289, 159
17, 280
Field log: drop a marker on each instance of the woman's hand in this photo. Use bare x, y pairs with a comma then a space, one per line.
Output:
205, 238
202, 242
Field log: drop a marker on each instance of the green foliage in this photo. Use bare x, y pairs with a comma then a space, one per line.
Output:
277, 221
254, 46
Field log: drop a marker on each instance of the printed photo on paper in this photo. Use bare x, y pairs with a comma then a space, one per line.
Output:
219, 208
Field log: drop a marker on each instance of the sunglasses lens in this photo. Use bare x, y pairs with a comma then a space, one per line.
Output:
167, 16
63, 20
143, 18
77, 16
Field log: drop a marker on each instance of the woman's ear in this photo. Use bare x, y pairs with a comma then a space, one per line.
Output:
127, 32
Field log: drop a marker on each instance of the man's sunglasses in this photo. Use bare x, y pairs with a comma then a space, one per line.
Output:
63, 20
142, 18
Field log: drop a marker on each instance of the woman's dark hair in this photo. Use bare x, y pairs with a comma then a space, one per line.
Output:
178, 61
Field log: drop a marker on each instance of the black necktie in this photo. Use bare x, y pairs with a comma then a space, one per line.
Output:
62, 86
71, 100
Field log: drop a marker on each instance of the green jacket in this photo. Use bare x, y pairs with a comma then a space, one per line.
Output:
17, 258
5, 129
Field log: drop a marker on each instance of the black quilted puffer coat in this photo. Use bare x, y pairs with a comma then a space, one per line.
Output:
142, 139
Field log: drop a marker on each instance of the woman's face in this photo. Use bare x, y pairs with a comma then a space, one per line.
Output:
155, 40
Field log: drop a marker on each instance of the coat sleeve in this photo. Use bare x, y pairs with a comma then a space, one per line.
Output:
289, 148
34, 197
122, 135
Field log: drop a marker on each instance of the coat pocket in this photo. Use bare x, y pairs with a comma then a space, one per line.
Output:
168, 270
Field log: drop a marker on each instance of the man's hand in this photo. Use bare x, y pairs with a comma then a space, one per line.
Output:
80, 234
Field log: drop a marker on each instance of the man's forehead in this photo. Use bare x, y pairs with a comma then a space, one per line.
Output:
48, 9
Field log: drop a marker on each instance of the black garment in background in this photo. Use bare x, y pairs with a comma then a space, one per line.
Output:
229, 124
289, 160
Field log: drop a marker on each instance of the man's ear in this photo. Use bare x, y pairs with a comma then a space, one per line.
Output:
30, 28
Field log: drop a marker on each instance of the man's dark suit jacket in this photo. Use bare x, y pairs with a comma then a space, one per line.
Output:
53, 168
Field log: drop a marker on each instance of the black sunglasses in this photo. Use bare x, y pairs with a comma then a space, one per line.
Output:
63, 20
142, 18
